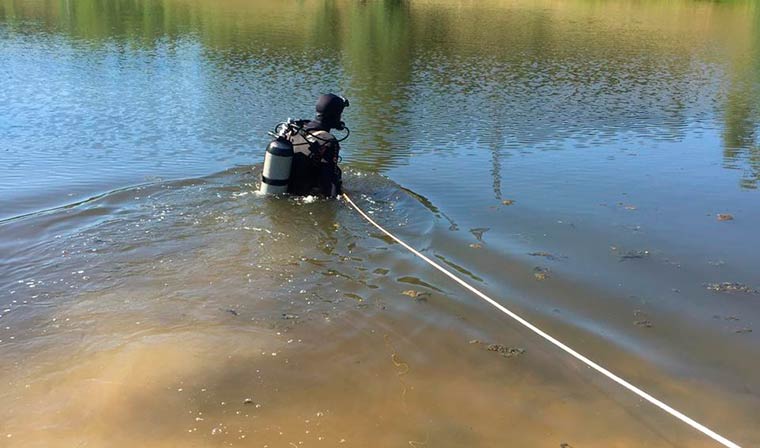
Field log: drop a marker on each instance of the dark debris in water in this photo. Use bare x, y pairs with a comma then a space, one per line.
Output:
642, 319
731, 287
478, 232
507, 352
541, 273
547, 255
458, 268
353, 296
744, 330
418, 296
731, 318
289, 316
673, 263
634, 254
417, 282
384, 237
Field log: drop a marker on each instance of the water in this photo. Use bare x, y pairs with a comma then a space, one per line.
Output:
568, 158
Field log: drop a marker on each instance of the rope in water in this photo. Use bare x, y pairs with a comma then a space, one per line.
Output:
665, 407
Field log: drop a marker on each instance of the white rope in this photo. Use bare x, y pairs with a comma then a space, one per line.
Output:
675, 413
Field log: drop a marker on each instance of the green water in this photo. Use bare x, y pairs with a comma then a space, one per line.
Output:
570, 158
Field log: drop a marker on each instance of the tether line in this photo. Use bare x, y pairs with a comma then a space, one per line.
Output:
641, 393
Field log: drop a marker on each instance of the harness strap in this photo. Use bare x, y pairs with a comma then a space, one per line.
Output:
318, 143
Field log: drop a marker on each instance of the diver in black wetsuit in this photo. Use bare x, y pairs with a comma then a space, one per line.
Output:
317, 152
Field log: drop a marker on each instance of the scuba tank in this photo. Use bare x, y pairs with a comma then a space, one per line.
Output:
278, 161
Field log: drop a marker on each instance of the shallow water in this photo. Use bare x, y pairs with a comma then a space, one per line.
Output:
568, 158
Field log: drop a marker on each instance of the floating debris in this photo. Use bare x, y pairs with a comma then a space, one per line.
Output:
744, 330
458, 268
479, 231
642, 319
507, 352
288, 316
546, 255
724, 217
673, 263
417, 282
248, 401
231, 311
419, 296
476, 246
634, 254
731, 287
352, 296
507, 202
540, 273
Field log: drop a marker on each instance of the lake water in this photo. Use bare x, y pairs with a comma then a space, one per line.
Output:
577, 160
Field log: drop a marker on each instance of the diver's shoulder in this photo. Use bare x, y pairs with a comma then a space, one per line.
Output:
325, 135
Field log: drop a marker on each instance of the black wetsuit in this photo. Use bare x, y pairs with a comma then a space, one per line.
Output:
315, 162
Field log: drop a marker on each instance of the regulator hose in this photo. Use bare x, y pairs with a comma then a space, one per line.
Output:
298, 126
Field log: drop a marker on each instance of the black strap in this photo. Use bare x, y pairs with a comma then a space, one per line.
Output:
274, 182
315, 149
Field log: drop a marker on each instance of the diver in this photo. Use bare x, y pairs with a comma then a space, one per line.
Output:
303, 158
317, 152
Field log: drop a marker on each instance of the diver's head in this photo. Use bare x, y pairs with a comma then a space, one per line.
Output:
329, 110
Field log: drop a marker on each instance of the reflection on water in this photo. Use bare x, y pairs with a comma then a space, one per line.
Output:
570, 158
742, 119
183, 87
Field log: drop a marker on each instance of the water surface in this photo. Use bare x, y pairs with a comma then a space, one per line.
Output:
569, 158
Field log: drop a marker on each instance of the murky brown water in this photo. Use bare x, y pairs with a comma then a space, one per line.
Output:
568, 158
